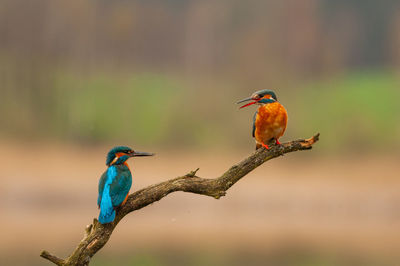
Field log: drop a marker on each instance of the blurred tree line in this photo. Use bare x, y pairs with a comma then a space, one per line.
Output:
105, 70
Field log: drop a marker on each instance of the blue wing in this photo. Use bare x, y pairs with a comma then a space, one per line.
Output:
114, 185
107, 212
254, 123
120, 187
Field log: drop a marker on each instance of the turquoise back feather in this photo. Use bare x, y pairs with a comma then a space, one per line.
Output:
114, 186
107, 212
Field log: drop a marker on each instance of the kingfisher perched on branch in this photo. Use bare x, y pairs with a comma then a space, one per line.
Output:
115, 182
269, 121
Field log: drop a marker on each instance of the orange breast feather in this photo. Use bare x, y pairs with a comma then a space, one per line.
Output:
270, 122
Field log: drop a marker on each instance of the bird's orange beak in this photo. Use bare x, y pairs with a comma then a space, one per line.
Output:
248, 104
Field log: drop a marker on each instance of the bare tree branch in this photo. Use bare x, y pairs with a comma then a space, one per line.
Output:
97, 235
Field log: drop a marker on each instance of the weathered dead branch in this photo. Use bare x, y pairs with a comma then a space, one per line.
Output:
96, 235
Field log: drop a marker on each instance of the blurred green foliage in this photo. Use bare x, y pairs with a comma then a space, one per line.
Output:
358, 110
168, 72
355, 110
105, 107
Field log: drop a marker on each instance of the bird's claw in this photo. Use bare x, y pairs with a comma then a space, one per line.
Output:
265, 146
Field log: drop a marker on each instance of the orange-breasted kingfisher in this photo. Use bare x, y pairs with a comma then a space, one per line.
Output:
116, 181
270, 120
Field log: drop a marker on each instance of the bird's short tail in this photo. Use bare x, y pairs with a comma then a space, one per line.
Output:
107, 212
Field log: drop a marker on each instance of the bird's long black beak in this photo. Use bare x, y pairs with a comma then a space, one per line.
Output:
245, 100
140, 153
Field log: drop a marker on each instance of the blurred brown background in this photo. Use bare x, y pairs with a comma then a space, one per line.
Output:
78, 77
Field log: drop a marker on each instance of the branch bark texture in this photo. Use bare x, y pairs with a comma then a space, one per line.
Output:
96, 234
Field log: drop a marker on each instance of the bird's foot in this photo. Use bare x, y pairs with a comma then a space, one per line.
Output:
277, 142
265, 146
